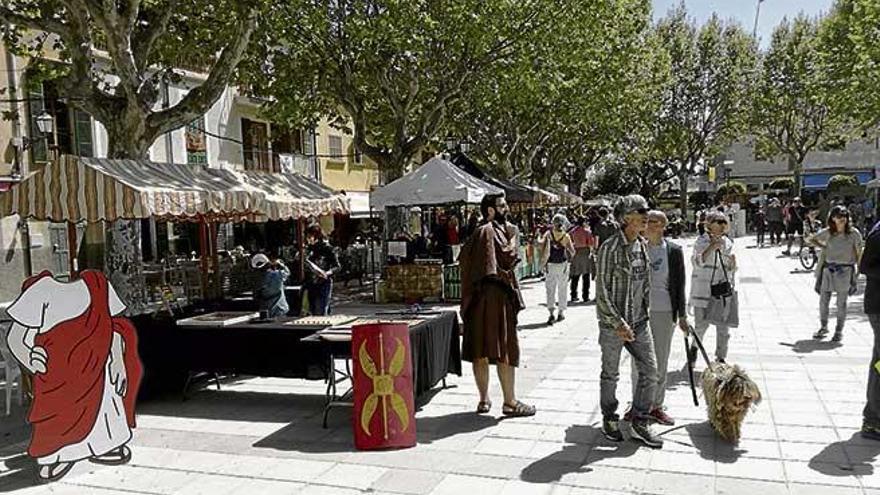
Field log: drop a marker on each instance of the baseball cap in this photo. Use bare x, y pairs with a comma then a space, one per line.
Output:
629, 204
259, 260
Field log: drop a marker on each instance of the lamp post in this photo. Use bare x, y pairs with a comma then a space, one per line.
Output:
757, 15
568, 172
728, 164
45, 126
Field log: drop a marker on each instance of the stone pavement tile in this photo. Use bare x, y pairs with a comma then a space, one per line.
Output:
606, 477
676, 483
845, 421
353, 476
61, 488
677, 462
807, 451
817, 419
418, 459
505, 447
739, 486
135, 478
748, 447
815, 489
408, 481
574, 490
525, 431
516, 487
212, 484
806, 434
759, 469
327, 490
492, 465
818, 473
456, 484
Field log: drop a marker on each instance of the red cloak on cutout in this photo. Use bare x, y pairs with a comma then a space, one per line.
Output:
67, 397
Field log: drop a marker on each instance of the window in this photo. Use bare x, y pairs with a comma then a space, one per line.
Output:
335, 143
255, 139
73, 128
196, 143
285, 141
356, 157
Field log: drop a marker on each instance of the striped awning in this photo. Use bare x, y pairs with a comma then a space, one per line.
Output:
76, 189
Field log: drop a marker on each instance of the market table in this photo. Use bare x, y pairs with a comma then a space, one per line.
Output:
277, 349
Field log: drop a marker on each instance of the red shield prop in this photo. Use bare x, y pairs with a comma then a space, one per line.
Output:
384, 409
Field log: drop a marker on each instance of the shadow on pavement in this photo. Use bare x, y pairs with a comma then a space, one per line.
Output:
534, 326
307, 437
807, 346
854, 457
19, 472
584, 442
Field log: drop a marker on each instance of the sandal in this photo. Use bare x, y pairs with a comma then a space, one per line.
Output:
821, 333
115, 457
51, 474
518, 410
484, 406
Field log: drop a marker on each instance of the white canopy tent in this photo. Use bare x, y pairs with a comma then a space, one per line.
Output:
436, 182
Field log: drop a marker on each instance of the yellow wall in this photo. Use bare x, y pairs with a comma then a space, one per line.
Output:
340, 173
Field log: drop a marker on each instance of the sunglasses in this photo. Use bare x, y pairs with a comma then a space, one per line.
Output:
720, 222
640, 211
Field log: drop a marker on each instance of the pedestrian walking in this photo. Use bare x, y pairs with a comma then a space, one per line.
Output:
558, 250
775, 221
667, 306
490, 304
582, 264
797, 213
321, 265
836, 271
713, 264
607, 227
622, 307
870, 266
760, 222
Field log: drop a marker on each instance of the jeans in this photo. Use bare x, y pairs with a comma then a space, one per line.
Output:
825, 302
662, 330
871, 413
642, 352
557, 276
574, 286
761, 237
319, 297
722, 333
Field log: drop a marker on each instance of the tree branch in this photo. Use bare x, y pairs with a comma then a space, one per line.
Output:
199, 99
142, 46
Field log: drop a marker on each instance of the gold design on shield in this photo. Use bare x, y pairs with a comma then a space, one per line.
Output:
383, 386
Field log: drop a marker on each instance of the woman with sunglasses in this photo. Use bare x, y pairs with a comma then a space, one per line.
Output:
841, 245
713, 262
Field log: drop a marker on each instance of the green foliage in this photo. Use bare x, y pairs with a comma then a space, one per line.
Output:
782, 183
731, 188
841, 181
794, 104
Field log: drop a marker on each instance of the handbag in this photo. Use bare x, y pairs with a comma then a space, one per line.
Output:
723, 288
724, 311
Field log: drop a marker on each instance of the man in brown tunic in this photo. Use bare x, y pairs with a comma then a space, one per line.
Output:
489, 305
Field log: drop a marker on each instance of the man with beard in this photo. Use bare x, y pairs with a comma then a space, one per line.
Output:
490, 303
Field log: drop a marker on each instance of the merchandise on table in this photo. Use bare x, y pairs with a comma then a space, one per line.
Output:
219, 319
322, 321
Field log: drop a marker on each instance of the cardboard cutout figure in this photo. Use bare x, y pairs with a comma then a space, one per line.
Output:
86, 370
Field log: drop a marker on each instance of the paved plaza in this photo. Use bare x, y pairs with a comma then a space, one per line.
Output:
264, 436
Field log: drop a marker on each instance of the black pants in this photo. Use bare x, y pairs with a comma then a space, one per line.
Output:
776, 232
761, 237
574, 286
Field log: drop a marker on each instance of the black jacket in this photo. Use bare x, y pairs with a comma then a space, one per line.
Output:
870, 266
677, 279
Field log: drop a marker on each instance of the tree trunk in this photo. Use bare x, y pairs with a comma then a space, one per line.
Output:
683, 191
795, 166
127, 139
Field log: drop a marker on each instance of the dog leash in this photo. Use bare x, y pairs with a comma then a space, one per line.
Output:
690, 359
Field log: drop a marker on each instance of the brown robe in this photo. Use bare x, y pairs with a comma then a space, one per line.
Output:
490, 297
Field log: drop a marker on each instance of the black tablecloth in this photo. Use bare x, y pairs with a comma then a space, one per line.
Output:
170, 353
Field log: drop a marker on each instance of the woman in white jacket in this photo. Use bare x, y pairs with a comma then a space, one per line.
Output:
558, 250
713, 256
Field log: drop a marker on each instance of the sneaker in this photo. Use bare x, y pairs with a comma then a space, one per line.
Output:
573, 299
611, 429
838, 336
660, 416
787, 252
721, 361
641, 431
551, 320
561, 317
871, 433
821, 333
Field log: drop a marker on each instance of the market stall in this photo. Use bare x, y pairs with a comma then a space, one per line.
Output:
438, 182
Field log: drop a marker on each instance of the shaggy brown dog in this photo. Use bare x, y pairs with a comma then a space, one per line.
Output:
730, 393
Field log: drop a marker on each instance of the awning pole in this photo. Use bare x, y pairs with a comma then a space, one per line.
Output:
72, 247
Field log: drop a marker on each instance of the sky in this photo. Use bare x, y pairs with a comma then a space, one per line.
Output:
772, 11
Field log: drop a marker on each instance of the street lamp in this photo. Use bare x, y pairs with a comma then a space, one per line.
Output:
45, 126
568, 171
727, 169
757, 15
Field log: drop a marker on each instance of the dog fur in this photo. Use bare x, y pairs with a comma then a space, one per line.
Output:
729, 393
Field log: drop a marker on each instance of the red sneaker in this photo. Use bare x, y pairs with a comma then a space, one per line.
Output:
660, 416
